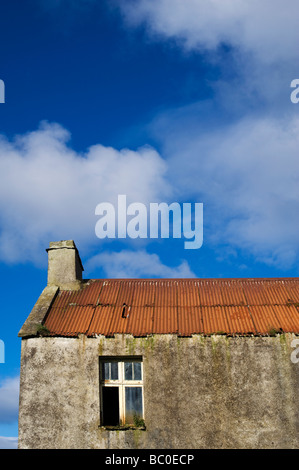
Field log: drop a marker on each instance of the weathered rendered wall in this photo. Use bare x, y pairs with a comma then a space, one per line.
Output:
199, 392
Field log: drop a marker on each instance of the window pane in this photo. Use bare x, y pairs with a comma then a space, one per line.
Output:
137, 370
114, 370
109, 371
105, 371
133, 397
128, 371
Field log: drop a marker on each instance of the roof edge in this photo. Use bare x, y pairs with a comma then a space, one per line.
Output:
195, 279
39, 312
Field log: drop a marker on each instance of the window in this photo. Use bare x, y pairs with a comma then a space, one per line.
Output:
121, 392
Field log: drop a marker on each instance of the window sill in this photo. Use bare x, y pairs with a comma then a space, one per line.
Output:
124, 428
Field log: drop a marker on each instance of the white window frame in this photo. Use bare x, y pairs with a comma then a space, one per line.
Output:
121, 383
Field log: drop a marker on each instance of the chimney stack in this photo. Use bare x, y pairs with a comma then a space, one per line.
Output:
64, 265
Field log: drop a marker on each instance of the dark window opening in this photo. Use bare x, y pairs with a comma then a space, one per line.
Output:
110, 406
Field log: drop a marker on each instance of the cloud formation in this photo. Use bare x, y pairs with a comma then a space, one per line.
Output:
9, 400
137, 264
252, 45
264, 28
247, 175
8, 442
237, 152
49, 191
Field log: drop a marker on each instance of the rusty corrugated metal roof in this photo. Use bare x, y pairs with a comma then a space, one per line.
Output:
143, 307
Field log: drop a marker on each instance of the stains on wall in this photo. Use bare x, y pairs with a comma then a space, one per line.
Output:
199, 392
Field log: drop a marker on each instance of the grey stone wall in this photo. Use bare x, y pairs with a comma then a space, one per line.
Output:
199, 392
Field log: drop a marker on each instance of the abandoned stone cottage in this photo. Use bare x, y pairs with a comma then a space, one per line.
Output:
159, 363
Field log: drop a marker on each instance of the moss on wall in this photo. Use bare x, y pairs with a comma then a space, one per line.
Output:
199, 392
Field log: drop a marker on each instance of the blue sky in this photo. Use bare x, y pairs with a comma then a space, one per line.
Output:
164, 101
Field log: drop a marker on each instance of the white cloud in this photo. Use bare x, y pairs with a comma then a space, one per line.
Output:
247, 176
137, 264
246, 171
48, 191
261, 35
238, 154
266, 28
9, 400
8, 442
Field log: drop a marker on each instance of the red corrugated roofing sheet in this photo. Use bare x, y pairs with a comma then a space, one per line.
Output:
101, 320
189, 321
71, 320
178, 306
188, 294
